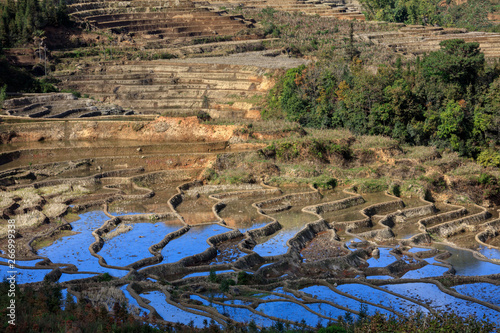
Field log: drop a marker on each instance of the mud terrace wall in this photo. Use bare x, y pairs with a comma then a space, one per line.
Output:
423, 223
337, 205
492, 231
464, 224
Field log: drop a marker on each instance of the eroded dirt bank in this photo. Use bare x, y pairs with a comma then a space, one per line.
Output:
160, 129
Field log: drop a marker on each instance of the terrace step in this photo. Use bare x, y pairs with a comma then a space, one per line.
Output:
422, 39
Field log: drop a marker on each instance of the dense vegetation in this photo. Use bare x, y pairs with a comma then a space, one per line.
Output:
471, 14
22, 20
449, 98
44, 310
41, 311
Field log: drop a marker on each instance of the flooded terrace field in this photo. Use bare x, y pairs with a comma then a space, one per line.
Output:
167, 241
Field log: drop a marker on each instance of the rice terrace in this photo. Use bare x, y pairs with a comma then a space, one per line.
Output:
250, 166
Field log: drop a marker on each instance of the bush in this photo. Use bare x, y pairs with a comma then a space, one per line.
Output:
3, 94
328, 184
489, 157
203, 116
395, 189
212, 277
243, 277
105, 277
486, 179
75, 93
225, 284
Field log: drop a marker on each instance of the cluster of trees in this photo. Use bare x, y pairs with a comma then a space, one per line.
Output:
471, 14
21, 20
449, 98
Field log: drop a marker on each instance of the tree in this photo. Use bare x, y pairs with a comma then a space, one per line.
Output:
456, 62
452, 122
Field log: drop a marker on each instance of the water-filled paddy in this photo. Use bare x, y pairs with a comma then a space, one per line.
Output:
490, 253
197, 210
465, 263
438, 300
235, 313
483, 291
74, 249
68, 277
172, 313
426, 271
133, 305
25, 275
384, 259
192, 242
291, 311
292, 220
326, 294
143, 235
381, 297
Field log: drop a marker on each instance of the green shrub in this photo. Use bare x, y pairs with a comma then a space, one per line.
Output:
212, 277
225, 284
203, 116
328, 184
105, 277
3, 94
489, 157
371, 185
395, 189
243, 277
75, 93
486, 179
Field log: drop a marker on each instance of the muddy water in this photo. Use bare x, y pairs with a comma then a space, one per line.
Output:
292, 221
156, 204
409, 227
197, 210
465, 263
242, 215
353, 213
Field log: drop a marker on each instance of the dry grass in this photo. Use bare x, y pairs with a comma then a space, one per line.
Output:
371, 141
420, 153
322, 37
53, 190
53, 210
330, 134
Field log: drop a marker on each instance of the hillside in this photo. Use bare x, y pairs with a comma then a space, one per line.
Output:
272, 165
